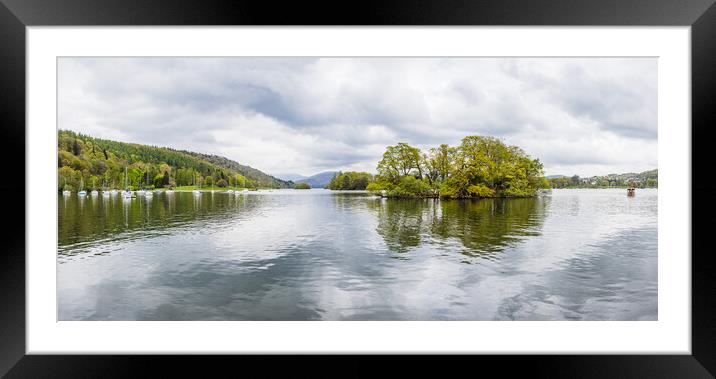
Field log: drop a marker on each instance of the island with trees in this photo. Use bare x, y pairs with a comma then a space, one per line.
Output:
480, 167
350, 180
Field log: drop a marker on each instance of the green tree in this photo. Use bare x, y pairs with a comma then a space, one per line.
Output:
350, 180
400, 160
479, 167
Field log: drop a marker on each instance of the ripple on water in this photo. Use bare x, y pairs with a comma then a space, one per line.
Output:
325, 256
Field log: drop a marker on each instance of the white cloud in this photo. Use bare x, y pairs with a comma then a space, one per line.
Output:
586, 116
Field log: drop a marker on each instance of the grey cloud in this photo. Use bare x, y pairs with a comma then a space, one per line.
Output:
309, 113
622, 104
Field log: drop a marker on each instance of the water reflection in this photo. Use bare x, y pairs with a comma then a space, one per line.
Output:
83, 221
322, 255
482, 227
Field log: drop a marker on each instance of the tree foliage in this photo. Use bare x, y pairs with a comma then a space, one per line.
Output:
93, 163
350, 180
479, 167
646, 179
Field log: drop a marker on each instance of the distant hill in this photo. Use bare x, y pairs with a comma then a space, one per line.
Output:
320, 180
646, 179
85, 162
290, 177
264, 180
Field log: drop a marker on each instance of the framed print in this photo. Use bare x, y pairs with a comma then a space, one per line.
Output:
426, 179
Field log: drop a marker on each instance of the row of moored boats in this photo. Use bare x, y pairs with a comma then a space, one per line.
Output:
146, 193
128, 193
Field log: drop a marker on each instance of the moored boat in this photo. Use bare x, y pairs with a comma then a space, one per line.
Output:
127, 194
196, 191
65, 191
82, 192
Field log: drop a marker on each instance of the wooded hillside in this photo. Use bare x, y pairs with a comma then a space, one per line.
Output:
85, 162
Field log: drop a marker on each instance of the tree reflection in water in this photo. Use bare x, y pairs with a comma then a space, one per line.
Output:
474, 228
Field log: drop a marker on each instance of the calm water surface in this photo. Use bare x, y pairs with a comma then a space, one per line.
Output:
326, 255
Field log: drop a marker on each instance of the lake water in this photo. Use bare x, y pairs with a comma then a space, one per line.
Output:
326, 255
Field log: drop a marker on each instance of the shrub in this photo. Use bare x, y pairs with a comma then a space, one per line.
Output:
374, 186
481, 190
410, 186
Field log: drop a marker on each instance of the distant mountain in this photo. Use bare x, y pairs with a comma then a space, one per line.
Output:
291, 177
555, 176
319, 180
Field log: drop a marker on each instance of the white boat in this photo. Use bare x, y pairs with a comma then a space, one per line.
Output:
148, 193
245, 190
66, 192
169, 192
127, 194
113, 192
196, 191
82, 192
94, 192
230, 191
105, 190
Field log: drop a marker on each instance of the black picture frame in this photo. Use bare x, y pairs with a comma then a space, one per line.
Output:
700, 15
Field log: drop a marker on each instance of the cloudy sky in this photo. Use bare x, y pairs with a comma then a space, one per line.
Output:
587, 116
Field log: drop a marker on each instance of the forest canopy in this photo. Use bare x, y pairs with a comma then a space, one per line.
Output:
350, 180
92, 163
480, 167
